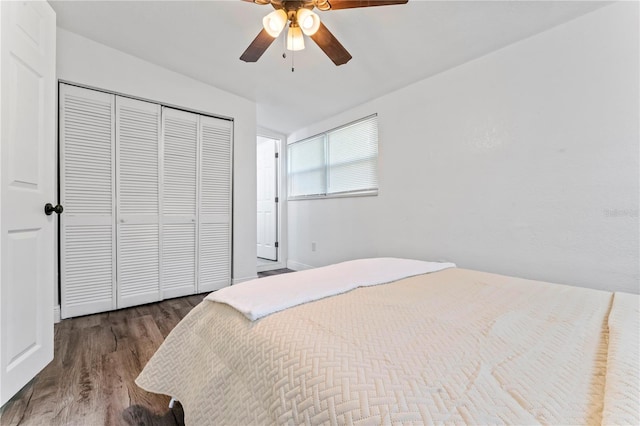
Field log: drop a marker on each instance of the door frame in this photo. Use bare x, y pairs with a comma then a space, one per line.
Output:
267, 250
281, 206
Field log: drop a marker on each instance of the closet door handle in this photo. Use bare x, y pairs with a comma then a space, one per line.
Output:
49, 209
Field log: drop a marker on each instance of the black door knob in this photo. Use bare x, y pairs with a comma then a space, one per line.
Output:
49, 209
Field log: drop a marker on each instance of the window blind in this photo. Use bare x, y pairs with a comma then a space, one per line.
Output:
353, 157
338, 162
307, 169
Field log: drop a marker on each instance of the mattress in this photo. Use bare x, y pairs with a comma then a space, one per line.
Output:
455, 346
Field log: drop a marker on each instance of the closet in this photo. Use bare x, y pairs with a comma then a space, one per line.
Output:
147, 196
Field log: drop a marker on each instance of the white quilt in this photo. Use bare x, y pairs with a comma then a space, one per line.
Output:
623, 362
454, 346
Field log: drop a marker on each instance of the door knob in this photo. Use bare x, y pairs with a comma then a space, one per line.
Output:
49, 209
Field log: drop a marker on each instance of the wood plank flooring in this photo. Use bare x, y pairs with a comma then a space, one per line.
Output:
97, 358
273, 272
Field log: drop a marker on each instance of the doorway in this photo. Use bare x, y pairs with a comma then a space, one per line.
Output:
267, 182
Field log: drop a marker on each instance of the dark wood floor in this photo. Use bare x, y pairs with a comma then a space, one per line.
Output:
97, 358
273, 272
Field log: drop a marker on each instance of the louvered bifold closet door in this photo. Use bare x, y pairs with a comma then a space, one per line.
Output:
87, 192
179, 202
215, 204
138, 172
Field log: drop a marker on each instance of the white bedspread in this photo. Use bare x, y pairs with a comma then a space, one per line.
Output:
260, 297
451, 347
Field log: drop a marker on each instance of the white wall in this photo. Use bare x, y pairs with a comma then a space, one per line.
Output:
523, 162
83, 61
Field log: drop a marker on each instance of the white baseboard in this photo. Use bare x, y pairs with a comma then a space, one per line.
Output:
56, 314
297, 266
241, 280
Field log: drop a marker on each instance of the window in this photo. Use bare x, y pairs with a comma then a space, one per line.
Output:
340, 162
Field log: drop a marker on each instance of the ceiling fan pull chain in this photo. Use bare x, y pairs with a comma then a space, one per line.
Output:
293, 52
284, 45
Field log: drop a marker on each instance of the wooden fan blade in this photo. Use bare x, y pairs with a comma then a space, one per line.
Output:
351, 4
257, 47
331, 46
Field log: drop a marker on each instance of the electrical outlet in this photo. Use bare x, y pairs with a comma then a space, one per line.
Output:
313, 246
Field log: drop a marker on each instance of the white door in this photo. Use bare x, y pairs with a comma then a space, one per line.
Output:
267, 205
138, 202
87, 192
179, 202
214, 217
27, 174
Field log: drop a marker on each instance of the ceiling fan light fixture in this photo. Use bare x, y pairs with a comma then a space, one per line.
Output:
309, 22
295, 39
323, 5
274, 22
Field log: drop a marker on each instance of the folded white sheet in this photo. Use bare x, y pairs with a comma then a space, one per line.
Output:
261, 297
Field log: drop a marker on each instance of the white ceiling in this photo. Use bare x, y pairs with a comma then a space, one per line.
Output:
392, 46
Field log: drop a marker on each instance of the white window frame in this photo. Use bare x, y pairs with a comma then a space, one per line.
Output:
325, 138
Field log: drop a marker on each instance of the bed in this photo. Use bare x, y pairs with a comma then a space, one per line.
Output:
448, 345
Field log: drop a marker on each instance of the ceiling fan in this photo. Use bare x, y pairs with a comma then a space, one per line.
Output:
302, 20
